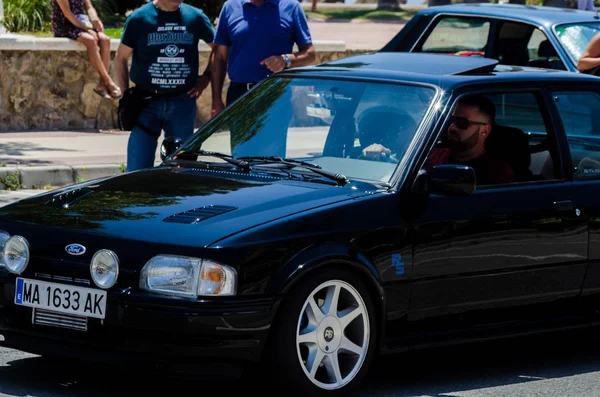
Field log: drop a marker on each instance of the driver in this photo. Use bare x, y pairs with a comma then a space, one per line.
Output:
382, 133
470, 125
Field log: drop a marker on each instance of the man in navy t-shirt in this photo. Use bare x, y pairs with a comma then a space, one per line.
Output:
255, 38
162, 37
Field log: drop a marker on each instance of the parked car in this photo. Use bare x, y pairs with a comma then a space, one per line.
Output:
520, 35
299, 255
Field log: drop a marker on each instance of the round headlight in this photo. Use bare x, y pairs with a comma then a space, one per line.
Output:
3, 239
105, 268
16, 254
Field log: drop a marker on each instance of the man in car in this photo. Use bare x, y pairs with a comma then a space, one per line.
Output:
470, 125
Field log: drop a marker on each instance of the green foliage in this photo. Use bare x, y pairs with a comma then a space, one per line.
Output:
211, 8
11, 181
106, 9
26, 15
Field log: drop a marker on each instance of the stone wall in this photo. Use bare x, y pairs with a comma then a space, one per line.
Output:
47, 84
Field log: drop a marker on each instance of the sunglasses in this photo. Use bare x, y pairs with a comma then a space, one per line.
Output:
462, 123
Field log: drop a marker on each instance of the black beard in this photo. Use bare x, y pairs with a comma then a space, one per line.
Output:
463, 146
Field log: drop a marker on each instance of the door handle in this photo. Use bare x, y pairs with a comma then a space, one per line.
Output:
566, 205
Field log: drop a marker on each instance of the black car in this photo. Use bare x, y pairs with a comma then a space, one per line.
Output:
273, 236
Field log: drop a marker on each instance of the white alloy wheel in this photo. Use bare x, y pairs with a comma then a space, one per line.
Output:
332, 335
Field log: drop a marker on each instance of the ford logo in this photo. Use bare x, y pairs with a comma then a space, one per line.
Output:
75, 249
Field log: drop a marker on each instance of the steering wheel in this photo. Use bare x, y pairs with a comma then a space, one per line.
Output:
384, 157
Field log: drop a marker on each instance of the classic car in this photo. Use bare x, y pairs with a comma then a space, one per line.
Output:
514, 34
270, 241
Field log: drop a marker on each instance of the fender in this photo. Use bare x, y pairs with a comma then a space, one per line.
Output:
328, 254
321, 255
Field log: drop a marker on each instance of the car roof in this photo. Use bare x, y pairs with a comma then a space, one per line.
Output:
437, 69
539, 15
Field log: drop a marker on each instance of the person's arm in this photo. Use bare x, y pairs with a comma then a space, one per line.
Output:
219, 70
122, 66
66, 10
306, 54
591, 56
91, 11
206, 77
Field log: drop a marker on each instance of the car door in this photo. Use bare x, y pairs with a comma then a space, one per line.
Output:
507, 252
579, 110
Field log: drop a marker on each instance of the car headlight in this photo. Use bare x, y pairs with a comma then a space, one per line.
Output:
3, 238
185, 276
16, 254
104, 268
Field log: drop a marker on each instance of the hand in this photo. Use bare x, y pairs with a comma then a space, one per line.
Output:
375, 151
201, 85
274, 64
93, 33
217, 107
98, 25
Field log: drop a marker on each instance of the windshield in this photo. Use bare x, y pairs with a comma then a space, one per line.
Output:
575, 37
325, 122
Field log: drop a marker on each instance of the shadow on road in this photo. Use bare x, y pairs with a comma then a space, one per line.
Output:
432, 372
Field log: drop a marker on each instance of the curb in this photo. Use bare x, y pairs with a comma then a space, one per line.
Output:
14, 178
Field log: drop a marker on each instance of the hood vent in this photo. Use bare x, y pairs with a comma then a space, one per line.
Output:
68, 198
199, 214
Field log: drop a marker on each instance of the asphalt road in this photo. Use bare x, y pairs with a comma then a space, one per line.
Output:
565, 365
562, 364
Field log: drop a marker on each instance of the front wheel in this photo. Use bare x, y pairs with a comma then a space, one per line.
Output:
325, 334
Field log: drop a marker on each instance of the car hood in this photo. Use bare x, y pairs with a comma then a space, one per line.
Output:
181, 206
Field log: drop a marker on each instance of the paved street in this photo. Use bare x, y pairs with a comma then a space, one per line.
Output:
563, 365
357, 35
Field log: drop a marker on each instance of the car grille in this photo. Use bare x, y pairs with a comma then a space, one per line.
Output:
61, 320
62, 278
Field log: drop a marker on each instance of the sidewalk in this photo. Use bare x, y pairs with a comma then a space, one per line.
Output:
34, 160
49, 159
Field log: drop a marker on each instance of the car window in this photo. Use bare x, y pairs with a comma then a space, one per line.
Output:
458, 35
542, 53
326, 122
580, 115
522, 112
575, 37
512, 43
518, 140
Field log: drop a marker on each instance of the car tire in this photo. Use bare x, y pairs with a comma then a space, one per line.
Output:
316, 348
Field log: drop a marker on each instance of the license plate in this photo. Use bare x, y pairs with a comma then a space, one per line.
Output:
61, 298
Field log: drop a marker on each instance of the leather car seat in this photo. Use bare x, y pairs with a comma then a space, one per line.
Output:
511, 145
545, 52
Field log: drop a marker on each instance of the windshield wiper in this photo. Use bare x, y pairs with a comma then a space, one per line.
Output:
339, 178
244, 165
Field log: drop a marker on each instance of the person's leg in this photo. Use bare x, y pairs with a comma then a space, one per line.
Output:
233, 93
180, 117
141, 148
93, 50
104, 44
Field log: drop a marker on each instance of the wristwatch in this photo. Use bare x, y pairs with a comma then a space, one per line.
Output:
288, 61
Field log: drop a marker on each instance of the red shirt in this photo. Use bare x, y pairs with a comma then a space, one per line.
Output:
488, 170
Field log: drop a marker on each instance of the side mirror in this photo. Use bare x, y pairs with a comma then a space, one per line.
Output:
169, 146
452, 180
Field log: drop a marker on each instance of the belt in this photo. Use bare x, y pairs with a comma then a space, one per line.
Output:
156, 93
242, 86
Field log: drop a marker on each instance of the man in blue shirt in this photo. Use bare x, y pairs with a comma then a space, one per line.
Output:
255, 38
162, 37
